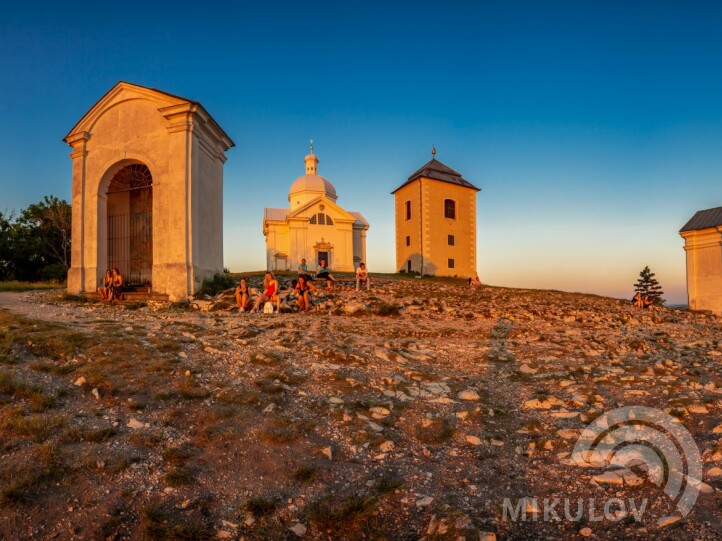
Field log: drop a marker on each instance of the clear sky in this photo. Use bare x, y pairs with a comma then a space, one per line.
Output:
593, 128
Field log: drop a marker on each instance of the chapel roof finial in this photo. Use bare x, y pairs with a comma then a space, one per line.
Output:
311, 147
433, 152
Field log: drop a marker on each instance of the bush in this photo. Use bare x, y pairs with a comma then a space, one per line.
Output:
219, 282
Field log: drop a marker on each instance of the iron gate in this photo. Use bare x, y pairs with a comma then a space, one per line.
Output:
130, 225
130, 246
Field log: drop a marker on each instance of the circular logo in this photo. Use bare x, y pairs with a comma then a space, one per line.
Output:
648, 438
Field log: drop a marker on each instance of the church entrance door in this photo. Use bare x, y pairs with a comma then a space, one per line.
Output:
130, 224
323, 256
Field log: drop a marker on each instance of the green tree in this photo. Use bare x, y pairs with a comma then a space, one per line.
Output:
36, 244
648, 285
6, 246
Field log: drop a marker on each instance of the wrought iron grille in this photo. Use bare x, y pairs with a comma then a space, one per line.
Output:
130, 247
130, 233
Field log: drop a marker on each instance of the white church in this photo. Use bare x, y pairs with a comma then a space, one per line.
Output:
314, 227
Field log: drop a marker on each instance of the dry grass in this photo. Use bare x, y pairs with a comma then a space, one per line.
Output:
340, 513
438, 431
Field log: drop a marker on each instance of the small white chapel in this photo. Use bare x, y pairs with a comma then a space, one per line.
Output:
314, 227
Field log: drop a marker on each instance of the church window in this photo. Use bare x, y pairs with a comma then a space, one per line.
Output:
451, 263
321, 219
450, 209
408, 240
451, 240
408, 210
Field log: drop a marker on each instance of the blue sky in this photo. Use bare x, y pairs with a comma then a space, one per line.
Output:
593, 128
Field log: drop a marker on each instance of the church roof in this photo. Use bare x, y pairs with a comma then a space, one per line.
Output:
313, 183
359, 218
274, 215
704, 219
436, 170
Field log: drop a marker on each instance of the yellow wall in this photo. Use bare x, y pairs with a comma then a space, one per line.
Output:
404, 227
427, 195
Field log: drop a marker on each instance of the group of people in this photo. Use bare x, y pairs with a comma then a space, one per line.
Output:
112, 287
302, 287
642, 301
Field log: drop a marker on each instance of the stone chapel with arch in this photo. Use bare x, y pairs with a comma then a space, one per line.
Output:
147, 192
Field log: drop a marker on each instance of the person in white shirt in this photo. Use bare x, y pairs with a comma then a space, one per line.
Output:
362, 276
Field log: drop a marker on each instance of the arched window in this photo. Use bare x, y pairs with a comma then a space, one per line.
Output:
450, 209
408, 210
321, 219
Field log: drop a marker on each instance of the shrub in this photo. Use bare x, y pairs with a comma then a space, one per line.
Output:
219, 282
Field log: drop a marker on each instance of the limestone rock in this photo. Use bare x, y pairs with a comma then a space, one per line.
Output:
299, 529
135, 424
668, 521
469, 394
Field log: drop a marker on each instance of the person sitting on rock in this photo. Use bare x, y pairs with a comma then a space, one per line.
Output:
362, 277
642, 301
303, 290
270, 293
104, 290
243, 295
116, 287
475, 282
324, 273
303, 270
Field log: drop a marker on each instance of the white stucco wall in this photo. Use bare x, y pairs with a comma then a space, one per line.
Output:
704, 269
184, 150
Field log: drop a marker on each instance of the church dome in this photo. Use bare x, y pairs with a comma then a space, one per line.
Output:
311, 182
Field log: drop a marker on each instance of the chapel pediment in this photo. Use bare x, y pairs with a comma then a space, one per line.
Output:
168, 105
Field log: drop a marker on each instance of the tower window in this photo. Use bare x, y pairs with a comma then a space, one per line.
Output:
408, 210
451, 240
450, 209
451, 263
408, 240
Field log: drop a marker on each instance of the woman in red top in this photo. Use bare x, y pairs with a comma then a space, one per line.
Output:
270, 286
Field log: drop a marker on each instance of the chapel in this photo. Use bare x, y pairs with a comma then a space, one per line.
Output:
314, 227
702, 236
147, 193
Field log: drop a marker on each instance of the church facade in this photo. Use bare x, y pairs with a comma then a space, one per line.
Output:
702, 236
436, 222
314, 227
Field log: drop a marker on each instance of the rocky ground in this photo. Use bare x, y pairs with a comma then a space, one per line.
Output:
411, 411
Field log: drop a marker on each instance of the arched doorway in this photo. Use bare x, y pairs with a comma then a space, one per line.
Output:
130, 224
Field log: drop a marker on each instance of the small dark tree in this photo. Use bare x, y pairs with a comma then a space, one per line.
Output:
648, 285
